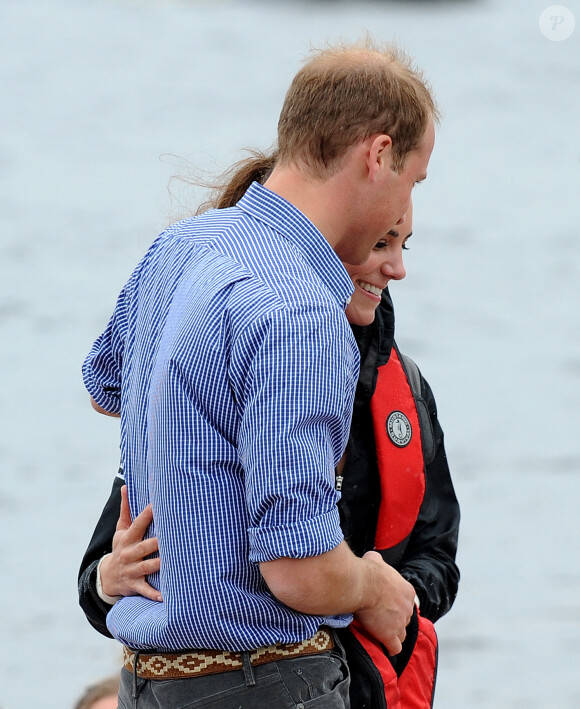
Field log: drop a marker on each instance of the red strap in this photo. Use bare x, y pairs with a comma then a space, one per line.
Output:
415, 687
377, 654
417, 683
399, 454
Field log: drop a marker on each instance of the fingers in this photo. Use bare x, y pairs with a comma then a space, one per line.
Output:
140, 586
150, 566
148, 591
130, 552
134, 553
387, 618
124, 521
126, 573
136, 529
147, 547
141, 522
394, 646
135, 565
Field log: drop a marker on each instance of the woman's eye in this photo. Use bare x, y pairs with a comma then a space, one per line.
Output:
380, 245
405, 247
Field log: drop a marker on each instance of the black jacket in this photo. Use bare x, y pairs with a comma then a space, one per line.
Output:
426, 558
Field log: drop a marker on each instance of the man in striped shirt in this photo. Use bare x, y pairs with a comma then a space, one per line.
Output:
232, 366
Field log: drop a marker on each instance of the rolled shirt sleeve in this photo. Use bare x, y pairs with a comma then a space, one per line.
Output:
103, 366
294, 426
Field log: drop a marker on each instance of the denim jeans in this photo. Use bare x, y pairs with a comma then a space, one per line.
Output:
309, 682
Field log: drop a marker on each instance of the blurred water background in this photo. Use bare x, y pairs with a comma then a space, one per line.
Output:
103, 102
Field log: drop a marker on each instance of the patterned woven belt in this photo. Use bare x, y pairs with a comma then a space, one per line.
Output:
196, 663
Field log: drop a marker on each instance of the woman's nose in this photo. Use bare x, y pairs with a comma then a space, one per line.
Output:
394, 267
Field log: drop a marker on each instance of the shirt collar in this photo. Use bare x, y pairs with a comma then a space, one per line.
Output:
287, 219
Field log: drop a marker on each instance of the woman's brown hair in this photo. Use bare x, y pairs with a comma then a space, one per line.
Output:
229, 188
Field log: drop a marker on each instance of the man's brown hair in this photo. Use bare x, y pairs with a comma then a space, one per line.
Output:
346, 94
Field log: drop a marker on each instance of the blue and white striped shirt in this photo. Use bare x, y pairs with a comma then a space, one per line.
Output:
233, 367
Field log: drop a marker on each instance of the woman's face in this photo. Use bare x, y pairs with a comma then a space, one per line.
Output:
385, 264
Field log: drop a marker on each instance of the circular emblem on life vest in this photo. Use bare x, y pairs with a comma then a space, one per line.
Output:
399, 428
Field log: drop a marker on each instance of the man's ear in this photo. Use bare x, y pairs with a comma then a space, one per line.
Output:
380, 155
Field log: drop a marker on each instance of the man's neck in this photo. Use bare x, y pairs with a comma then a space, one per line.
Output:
323, 201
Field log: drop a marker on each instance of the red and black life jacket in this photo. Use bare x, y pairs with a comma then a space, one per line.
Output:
399, 453
404, 441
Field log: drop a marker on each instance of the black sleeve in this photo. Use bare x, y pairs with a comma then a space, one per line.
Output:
429, 559
101, 543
